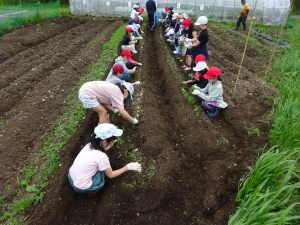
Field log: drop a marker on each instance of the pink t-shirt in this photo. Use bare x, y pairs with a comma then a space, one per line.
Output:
105, 92
87, 163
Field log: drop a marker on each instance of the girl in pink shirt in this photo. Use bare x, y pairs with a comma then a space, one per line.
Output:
88, 171
102, 95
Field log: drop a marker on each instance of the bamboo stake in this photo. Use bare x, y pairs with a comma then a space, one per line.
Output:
245, 48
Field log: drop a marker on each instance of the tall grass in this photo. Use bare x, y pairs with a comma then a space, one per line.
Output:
269, 195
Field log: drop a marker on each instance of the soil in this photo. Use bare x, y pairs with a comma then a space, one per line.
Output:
192, 165
39, 64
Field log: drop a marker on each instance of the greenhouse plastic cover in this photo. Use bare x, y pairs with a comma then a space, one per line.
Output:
267, 11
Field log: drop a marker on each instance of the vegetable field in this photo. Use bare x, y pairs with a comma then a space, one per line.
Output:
192, 165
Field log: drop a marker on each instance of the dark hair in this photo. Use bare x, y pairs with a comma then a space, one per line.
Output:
204, 71
95, 142
122, 88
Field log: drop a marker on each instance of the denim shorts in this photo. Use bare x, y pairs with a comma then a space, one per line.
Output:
98, 183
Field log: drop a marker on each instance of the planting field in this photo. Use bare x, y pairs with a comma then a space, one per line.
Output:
191, 164
39, 64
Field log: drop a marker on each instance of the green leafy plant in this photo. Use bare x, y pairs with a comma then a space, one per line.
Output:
252, 130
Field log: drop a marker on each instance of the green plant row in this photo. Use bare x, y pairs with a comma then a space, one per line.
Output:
269, 195
27, 13
50, 151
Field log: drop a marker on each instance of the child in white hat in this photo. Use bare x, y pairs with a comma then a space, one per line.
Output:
88, 171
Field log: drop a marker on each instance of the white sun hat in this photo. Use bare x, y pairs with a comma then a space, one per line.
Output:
200, 66
202, 20
130, 89
107, 130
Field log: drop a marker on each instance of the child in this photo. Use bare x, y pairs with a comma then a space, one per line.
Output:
199, 45
212, 95
188, 30
200, 69
128, 42
123, 60
88, 171
114, 78
102, 95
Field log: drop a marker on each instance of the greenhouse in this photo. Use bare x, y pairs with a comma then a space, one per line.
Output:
268, 12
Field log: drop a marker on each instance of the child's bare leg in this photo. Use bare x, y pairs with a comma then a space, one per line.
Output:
102, 114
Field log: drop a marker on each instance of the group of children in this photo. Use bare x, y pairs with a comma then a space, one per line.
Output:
88, 171
191, 45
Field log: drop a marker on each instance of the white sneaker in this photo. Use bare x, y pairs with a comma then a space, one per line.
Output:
175, 52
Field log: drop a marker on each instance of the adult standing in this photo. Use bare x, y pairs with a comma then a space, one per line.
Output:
243, 16
151, 10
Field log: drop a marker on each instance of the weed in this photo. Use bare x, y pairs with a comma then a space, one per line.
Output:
222, 141
186, 92
1, 120
268, 98
252, 130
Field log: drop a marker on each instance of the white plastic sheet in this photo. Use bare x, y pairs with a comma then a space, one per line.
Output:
268, 11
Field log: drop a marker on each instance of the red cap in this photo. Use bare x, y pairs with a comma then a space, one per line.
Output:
117, 68
128, 29
127, 53
212, 72
200, 58
141, 10
187, 22
167, 8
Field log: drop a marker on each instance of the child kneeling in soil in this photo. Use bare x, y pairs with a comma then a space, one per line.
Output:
102, 95
211, 96
88, 171
200, 69
125, 60
128, 42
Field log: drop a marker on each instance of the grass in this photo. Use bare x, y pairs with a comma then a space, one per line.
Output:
50, 152
37, 13
252, 130
269, 194
148, 173
222, 141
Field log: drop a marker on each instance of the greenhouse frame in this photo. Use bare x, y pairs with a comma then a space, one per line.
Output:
268, 12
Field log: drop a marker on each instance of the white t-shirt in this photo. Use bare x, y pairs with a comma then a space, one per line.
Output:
134, 14
87, 163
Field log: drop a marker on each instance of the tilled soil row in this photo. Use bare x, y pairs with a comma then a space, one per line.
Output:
35, 99
198, 161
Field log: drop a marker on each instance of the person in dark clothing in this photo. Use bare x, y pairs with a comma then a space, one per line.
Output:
188, 30
199, 44
151, 10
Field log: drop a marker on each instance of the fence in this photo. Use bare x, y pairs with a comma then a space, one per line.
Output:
15, 13
269, 12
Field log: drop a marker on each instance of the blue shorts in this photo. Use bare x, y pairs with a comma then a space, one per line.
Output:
98, 183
